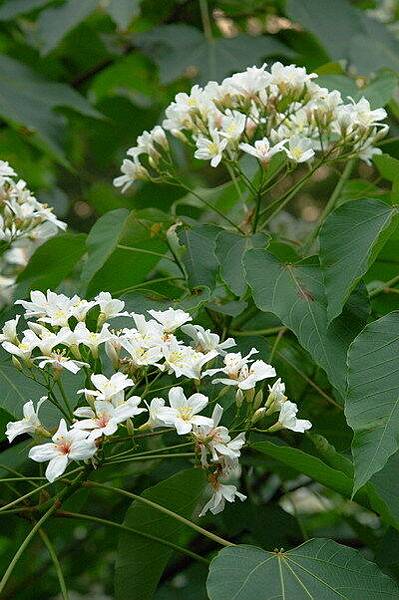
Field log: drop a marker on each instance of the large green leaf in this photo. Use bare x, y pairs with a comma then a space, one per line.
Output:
55, 22
52, 262
28, 99
372, 401
378, 92
294, 292
180, 48
140, 561
320, 569
123, 248
350, 241
200, 260
230, 248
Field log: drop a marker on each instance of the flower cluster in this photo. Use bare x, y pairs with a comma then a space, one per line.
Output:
260, 113
120, 365
25, 223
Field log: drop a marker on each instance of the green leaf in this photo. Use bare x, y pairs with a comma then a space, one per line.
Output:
309, 465
230, 248
200, 260
180, 48
52, 262
350, 241
388, 166
378, 92
140, 561
28, 99
294, 292
54, 23
123, 11
319, 568
123, 248
14, 8
372, 400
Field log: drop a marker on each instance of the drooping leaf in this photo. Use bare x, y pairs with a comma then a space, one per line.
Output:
123, 248
55, 22
294, 292
140, 561
52, 262
319, 568
230, 248
179, 49
350, 241
28, 99
199, 259
372, 400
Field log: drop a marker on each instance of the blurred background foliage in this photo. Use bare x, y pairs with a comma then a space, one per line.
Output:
79, 80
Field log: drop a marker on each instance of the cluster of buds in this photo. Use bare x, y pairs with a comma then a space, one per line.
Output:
260, 113
74, 335
25, 223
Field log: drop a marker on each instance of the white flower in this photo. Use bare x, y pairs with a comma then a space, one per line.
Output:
9, 331
22, 349
290, 77
110, 307
362, 114
105, 417
92, 339
6, 172
250, 82
52, 308
154, 408
59, 360
287, 419
262, 149
132, 171
216, 439
239, 373
299, 149
139, 355
171, 318
233, 125
109, 390
221, 494
66, 446
206, 341
148, 333
183, 412
276, 397
30, 422
184, 360
211, 149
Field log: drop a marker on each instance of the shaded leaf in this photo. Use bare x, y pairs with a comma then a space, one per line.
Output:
294, 292
140, 561
350, 241
14, 8
199, 259
372, 400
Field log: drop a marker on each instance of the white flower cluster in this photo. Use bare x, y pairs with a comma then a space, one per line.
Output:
73, 334
260, 113
25, 223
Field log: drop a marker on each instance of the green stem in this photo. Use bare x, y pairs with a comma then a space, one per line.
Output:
154, 451
211, 206
143, 251
150, 457
149, 282
163, 509
266, 331
65, 399
386, 286
346, 173
56, 563
24, 545
134, 531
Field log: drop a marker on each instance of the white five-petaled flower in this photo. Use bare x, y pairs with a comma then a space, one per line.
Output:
239, 373
9, 331
211, 149
59, 360
183, 412
262, 150
184, 360
299, 149
30, 422
216, 439
132, 171
105, 417
206, 341
66, 446
221, 494
170, 319
287, 419
154, 407
109, 390
276, 397
110, 307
